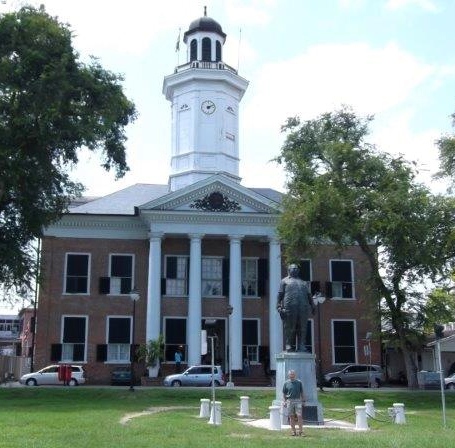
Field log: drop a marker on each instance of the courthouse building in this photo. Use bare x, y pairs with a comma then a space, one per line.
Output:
202, 251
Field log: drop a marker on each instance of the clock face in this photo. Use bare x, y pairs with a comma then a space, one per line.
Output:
208, 107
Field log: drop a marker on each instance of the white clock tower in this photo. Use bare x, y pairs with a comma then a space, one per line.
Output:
205, 94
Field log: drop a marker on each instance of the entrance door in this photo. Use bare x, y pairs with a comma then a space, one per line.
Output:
217, 329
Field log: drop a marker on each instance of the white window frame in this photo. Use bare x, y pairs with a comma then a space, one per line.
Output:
184, 279
246, 260
354, 329
66, 345
205, 280
125, 360
133, 263
340, 297
65, 274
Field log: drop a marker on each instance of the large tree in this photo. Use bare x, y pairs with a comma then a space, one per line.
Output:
51, 105
344, 191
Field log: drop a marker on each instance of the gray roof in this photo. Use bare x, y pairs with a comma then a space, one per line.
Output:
124, 201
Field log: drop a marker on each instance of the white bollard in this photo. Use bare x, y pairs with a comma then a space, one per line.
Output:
205, 408
274, 422
369, 404
244, 407
400, 418
361, 423
215, 414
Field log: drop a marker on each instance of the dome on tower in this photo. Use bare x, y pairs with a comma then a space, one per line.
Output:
204, 24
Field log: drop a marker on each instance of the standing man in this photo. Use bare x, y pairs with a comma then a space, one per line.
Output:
293, 399
178, 359
294, 305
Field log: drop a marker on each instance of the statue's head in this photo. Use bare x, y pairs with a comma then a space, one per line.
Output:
293, 270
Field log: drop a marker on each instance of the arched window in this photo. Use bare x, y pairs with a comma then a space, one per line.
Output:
206, 49
193, 50
218, 51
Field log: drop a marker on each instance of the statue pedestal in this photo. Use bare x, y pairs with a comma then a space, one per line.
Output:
305, 368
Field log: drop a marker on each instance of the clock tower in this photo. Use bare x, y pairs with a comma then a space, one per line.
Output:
205, 94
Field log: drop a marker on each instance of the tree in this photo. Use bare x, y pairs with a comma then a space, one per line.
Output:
343, 190
51, 105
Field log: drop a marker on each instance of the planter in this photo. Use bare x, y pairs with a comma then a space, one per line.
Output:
153, 371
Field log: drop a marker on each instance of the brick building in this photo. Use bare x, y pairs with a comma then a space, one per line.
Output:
202, 251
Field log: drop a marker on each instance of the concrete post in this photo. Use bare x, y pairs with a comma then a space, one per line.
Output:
244, 407
369, 404
400, 418
205, 408
215, 414
361, 423
274, 422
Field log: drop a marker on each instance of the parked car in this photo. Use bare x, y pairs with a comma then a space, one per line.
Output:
450, 381
356, 374
49, 375
196, 376
121, 375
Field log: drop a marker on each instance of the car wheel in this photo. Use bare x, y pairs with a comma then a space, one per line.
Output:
336, 382
176, 383
72, 382
451, 386
31, 382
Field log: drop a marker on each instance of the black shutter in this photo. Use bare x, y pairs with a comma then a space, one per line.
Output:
328, 290
171, 267
56, 352
104, 285
315, 288
226, 277
101, 352
163, 286
78, 352
125, 285
263, 271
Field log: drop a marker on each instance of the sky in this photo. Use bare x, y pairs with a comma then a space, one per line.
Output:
394, 59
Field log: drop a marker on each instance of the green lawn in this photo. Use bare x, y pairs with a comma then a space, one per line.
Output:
98, 417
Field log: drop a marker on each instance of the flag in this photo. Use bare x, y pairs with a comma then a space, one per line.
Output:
177, 45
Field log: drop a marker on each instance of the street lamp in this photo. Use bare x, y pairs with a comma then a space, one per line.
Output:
318, 300
230, 309
134, 296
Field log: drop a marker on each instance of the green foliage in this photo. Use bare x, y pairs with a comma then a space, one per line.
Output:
51, 105
151, 352
439, 309
344, 191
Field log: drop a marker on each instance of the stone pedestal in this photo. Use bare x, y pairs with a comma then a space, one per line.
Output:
305, 368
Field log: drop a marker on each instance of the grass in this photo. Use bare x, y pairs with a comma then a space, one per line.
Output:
98, 417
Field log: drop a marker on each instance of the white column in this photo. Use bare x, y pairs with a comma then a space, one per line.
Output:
235, 300
153, 326
275, 324
193, 329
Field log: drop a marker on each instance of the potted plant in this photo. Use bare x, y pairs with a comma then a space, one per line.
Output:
152, 353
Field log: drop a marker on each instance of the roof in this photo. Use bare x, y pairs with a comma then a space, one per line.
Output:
204, 24
123, 202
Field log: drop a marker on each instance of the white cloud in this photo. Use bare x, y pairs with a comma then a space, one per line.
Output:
426, 5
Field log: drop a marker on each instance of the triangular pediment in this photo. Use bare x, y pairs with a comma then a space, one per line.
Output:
216, 194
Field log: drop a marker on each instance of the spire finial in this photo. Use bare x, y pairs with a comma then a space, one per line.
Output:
205, 11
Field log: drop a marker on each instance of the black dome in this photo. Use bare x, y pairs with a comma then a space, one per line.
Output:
204, 24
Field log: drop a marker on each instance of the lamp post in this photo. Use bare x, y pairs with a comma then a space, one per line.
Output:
318, 300
134, 296
230, 309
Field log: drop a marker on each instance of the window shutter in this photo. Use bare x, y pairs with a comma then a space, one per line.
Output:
328, 289
101, 352
104, 285
315, 288
163, 286
262, 276
125, 285
226, 277
171, 267
56, 352
78, 352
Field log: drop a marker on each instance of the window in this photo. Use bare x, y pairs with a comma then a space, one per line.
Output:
121, 274
206, 49
342, 285
73, 338
249, 277
250, 337
212, 277
118, 339
77, 273
176, 276
309, 336
218, 51
174, 336
193, 50
343, 334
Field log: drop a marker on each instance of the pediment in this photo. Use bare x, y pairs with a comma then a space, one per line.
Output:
216, 194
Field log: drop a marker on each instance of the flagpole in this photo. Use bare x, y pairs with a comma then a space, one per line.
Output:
238, 51
177, 48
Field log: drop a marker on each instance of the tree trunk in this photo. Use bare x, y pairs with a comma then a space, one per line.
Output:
410, 364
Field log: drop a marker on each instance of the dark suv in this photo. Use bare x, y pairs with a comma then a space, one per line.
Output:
356, 374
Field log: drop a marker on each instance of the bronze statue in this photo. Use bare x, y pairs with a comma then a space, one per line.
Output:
294, 305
